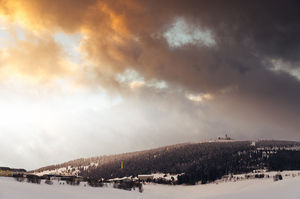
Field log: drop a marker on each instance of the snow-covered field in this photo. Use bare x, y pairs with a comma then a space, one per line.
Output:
246, 189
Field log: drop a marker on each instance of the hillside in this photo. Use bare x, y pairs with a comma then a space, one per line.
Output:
195, 162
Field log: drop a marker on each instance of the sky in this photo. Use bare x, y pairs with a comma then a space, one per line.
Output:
82, 78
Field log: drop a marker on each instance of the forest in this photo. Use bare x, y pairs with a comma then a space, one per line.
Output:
192, 162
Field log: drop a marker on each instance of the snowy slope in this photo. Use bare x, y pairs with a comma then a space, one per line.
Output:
248, 189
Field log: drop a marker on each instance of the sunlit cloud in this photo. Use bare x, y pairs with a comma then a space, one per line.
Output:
71, 45
281, 66
199, 97
136, 84
182, 33
135, 80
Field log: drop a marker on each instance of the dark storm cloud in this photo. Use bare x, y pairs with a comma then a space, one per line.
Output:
248, 35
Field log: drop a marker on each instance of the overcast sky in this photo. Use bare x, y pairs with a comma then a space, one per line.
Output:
81, 78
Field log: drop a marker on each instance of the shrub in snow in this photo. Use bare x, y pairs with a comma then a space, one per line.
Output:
33, 179
72, 182
277, 177
259, 175
129, 185
49, 182
95, 183
19, 177
162, 181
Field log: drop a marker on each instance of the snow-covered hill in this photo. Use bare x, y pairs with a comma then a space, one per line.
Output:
203, 162
246, 189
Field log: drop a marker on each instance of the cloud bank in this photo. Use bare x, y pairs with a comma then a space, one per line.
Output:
216, 66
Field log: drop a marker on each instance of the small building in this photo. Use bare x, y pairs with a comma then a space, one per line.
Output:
226, 138
145, 177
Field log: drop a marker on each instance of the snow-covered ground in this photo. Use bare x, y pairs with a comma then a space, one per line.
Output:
246, 189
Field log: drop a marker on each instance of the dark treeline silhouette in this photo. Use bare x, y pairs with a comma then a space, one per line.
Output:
285, 160
204, 162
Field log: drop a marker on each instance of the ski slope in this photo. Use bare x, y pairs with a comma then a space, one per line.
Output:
247, 189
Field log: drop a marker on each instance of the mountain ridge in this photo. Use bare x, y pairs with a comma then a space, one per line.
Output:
211, 159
